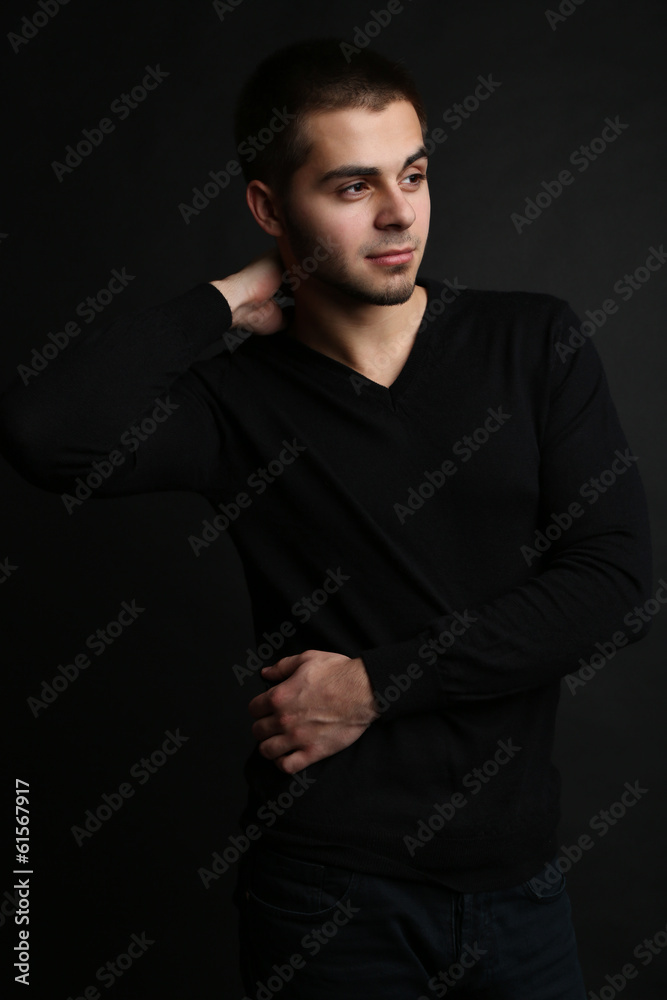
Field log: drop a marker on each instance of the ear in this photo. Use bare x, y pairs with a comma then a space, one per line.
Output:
264, 206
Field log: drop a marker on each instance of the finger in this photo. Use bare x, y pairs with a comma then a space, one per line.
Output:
276, 746
266, 318
282, 668
260, 706
293, 762
266, 727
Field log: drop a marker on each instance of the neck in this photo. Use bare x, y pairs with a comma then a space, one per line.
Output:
374, 340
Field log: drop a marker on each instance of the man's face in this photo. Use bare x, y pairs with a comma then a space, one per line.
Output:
375, 202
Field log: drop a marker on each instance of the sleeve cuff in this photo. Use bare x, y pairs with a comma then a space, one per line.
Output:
202, 313
402, 683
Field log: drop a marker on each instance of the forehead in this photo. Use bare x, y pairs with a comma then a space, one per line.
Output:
375, 138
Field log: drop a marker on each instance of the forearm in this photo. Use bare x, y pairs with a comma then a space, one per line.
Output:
55, 424
526, 638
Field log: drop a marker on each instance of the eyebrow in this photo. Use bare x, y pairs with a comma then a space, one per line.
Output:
355, 169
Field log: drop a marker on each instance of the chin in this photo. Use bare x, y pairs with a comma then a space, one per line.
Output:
382, 293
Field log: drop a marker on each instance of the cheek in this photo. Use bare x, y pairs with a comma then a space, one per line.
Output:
338, 227
342, 234
424, 215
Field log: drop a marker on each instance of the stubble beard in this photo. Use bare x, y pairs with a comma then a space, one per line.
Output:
333, 271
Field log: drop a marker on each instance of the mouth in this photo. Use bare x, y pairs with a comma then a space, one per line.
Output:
400, 256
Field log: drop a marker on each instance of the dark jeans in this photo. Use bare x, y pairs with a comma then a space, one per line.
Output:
314, 932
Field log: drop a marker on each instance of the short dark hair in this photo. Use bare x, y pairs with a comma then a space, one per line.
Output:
306, 77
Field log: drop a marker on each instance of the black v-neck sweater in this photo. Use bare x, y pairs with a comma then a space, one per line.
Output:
471, 532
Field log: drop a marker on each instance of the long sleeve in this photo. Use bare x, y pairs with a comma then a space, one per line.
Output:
590, 560
126, 408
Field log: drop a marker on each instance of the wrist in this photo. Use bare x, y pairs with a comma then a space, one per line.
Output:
368, 698
234, 292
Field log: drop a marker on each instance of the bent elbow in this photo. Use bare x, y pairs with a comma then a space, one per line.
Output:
642, 603
30, 450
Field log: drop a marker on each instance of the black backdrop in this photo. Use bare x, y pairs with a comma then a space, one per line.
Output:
119, 208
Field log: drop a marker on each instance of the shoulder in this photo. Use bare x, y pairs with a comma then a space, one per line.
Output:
536, 320
502, 306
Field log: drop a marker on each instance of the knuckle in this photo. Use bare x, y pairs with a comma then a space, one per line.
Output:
274, 696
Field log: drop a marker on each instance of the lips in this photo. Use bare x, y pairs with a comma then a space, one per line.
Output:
389, 253
392, 258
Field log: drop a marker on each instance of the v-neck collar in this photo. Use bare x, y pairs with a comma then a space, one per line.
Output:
413, 363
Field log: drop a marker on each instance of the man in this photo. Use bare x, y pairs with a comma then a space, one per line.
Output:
438, 515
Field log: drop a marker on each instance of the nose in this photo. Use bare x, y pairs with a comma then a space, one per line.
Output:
394, 209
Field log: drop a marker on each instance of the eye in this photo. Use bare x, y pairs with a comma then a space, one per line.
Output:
355, 185
416, 179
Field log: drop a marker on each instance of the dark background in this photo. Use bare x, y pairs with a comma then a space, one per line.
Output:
172, 668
